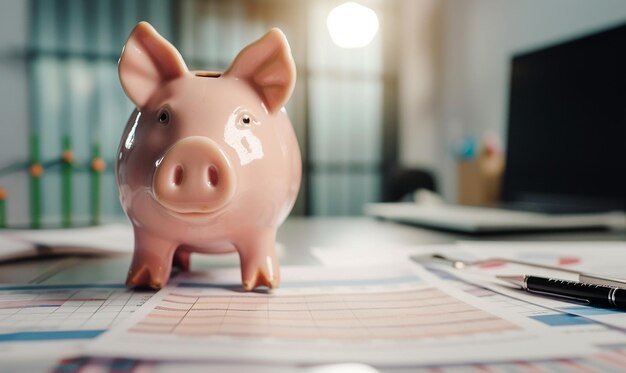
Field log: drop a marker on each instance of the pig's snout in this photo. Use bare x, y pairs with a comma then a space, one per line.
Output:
194, 177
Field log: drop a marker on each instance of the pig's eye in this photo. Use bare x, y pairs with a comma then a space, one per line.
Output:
164, 117
246, 120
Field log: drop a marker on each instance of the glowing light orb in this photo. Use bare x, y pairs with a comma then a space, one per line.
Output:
352, 25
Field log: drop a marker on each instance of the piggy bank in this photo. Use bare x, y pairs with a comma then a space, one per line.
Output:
208, 162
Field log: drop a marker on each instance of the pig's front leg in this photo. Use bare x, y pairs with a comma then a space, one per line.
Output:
259, 265
152, 261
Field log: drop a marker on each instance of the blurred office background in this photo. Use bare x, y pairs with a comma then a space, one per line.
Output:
367, 118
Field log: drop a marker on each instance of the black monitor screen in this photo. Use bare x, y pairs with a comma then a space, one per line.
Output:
567, 125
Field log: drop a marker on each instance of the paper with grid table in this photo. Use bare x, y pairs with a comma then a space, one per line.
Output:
384, 316
53, 321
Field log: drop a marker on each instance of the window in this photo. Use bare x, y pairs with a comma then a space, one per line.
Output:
77, 105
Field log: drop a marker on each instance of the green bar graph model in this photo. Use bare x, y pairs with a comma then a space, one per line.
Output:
97, 167
3, 207
66, 183
36, 171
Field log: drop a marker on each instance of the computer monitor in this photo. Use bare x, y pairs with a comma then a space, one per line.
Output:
566, 137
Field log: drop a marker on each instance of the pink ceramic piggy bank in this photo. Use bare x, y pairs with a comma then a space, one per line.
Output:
208, 162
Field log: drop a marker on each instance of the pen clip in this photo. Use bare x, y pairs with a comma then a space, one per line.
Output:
601, 280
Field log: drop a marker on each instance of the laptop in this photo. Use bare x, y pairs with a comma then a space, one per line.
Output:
566, 145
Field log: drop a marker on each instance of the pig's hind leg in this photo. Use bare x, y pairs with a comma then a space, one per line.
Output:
152, 261
259, 265
182, 259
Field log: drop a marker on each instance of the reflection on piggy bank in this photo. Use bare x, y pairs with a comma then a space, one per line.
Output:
208, 162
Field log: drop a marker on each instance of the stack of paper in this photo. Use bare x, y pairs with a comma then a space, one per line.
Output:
371, 306
385, 317
43, 323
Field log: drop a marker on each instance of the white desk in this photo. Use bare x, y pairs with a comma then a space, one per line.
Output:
297, 235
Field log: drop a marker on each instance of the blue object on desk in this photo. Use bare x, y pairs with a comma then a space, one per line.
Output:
50, 335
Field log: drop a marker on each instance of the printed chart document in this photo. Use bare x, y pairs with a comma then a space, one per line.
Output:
552, 313
602, 258
610, 317
399, 315
39, 321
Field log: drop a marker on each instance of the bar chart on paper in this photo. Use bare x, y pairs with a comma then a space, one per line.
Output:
44, 316
390, 318
416, 313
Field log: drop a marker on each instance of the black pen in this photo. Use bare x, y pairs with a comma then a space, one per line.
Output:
593, 294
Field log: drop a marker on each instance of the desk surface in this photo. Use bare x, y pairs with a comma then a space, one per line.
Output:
297, 236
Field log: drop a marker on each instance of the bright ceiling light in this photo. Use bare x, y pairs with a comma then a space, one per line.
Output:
352, 25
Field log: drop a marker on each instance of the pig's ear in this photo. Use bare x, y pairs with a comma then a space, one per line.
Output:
268, 66
147, 61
